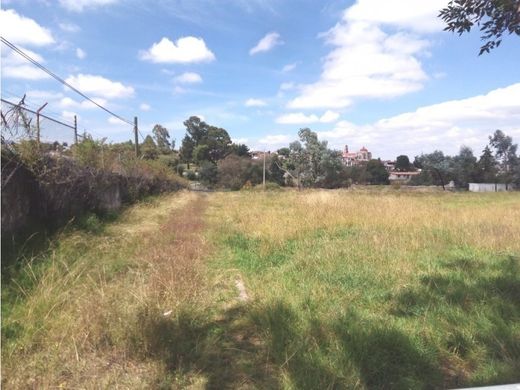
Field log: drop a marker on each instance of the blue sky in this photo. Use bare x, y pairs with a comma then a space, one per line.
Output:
374, 73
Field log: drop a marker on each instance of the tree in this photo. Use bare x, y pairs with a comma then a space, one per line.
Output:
186, 151
464, 167
218, 142
486, 167
505, 155
162, 139
402, 164
437, 165
241, 150
233, 171
494, 17
376, 172
196, 129
149, 149
275, 172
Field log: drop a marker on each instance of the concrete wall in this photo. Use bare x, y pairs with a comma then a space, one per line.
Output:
488, 187
64, 190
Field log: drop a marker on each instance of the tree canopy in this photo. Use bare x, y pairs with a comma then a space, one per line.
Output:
494, 17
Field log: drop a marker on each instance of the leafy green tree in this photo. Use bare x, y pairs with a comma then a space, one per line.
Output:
218, 142
208, 173
196, 129
241, 150
376, 172
186, 151
275, 172
505, 155
162, 139
437, 165
402, 164
283, 152
494, 17
487, 167
201, 154
464, 167
149, 148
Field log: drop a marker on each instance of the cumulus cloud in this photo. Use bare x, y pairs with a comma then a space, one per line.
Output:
80, 53
100, 86
145, 107
368, 62
184, 50
81, 5
266, 43
300, 118
255, 103
16, 67
23, 31
189, 78
445, 126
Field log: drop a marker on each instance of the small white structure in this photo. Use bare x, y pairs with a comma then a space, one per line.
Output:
402, 177
488, 187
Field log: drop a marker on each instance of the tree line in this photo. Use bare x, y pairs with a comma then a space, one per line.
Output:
207, 154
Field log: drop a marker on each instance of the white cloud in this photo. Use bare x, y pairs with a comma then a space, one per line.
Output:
301, 118
80, 5
278, 139
368, 62
69, 116
289, 67
23, 31
80, 53
16, 67
445, 126
69, 27
266, 43
419, 16
145, 107
67, 102
184, 50
115, 121
329, 116
255, 103
100, 86
189, 78
240, 140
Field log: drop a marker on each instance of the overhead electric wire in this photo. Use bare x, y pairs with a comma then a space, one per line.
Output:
58, 78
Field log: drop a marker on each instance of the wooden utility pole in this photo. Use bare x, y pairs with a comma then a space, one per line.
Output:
75, 129
264, 172
136, 136
38, 123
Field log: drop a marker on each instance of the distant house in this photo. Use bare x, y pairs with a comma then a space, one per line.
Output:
401, 177
351, 159
389, 165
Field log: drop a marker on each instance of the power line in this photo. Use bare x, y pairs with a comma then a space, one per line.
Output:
56, 77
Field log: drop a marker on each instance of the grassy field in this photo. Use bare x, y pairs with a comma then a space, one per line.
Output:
298, 290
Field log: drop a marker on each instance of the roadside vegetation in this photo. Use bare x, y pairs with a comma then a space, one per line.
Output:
377, 288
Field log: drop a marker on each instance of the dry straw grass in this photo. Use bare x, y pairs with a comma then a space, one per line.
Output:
79, 324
